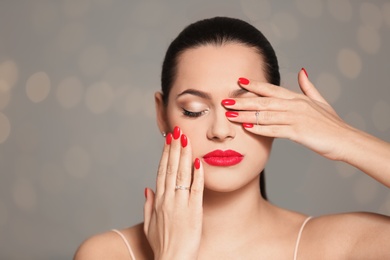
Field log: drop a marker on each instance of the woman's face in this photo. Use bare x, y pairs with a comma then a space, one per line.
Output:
205, 76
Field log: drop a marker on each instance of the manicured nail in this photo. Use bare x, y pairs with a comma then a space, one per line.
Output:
305, 72
197, 163
243, 81
247, 125
146, 193
231, 114
228, 102
168, 139
184, 141
176, 132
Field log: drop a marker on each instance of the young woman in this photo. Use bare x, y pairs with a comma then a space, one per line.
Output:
221, 108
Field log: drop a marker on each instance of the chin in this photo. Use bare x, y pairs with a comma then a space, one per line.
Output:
225, 181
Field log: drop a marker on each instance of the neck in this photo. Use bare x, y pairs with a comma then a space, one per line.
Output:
230, 214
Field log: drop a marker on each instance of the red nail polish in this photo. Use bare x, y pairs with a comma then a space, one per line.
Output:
305, 72
168, 139
243, 81
247, 125
231, 114
146, 193
228, 102
176, 132
197, 163
184, 141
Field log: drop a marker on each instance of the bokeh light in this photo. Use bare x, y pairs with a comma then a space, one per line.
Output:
349, 63
368, 39
38, 87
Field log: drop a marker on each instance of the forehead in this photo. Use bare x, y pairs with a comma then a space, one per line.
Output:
210, 65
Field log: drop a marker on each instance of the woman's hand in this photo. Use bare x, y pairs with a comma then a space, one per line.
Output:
173, 215
303, 118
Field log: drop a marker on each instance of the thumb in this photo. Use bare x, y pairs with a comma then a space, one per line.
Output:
308, 88
148, 208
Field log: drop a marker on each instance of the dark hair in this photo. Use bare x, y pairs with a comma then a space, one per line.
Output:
219, 31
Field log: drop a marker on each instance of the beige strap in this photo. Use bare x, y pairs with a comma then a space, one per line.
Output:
126, 242
299, 237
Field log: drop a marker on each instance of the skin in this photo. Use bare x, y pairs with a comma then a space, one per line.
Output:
223, 216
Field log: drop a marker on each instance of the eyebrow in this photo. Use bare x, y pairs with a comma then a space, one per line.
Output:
205, 95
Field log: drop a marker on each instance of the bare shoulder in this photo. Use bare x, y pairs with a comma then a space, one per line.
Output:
347, 235
110, 245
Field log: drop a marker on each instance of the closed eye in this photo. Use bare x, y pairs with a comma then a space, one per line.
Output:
193, 114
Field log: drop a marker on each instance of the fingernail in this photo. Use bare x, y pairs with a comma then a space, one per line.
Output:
228, 102
176, 132
305, 72
243, 81
247, 125
184, 141
146, 193
197, 163
231, 114
168, 139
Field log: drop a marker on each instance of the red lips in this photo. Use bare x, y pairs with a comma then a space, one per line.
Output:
223, 158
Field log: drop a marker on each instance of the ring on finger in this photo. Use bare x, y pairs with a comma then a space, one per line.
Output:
180, 187
257, 117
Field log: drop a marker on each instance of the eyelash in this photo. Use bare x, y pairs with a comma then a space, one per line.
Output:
192, 114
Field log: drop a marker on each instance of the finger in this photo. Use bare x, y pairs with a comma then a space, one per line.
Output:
266, 89
308, 88
162, 168
197, 187
260, 117
276, 131
257, 103
185, 168
148, 209
173, 163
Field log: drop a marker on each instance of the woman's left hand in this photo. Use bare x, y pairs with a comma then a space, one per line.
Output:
303, 118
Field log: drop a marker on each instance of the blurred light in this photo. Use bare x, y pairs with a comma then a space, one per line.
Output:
341, 10
256, 9
38, 87
5, 128
349, 63
9, 73
310, 8
99, 97
70, 92
368, 39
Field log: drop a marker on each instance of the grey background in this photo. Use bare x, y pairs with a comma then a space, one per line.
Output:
78, 138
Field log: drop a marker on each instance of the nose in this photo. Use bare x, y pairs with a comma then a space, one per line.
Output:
220, 128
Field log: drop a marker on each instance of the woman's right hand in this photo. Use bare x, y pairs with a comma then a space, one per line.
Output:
173, 215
